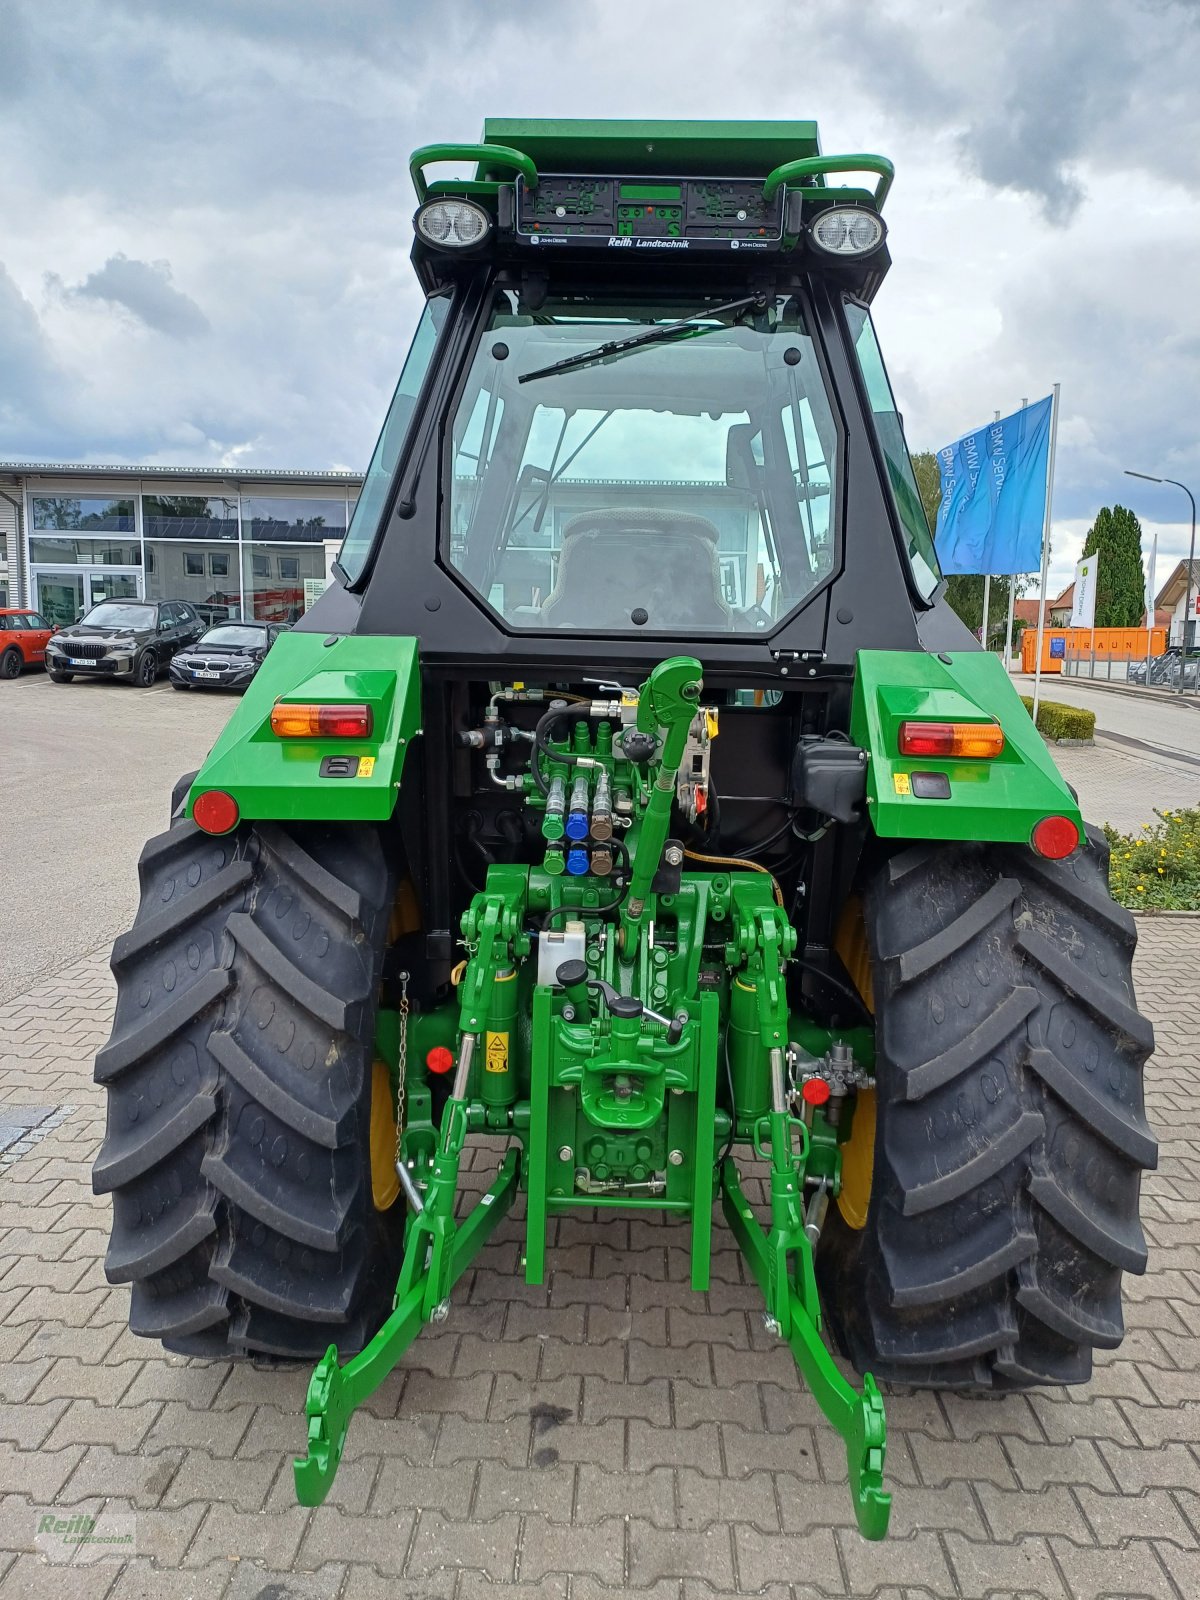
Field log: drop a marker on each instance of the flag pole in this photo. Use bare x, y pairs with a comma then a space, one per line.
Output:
1012, 596
987, 586
1037, 671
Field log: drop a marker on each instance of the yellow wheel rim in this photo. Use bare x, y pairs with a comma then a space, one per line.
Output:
385, 1186
858, 1152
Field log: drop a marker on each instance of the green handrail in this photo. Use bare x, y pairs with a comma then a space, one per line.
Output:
505, 154
813, 166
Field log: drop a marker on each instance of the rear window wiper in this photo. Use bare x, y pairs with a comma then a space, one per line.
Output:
636, 341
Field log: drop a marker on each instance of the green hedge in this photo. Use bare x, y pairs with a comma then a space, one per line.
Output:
1057, 721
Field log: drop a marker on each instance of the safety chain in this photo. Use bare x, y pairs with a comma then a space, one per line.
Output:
401, 1063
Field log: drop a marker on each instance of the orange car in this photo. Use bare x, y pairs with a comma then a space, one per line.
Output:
23, 636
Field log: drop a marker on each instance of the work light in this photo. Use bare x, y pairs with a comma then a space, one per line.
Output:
848, 231
452, 224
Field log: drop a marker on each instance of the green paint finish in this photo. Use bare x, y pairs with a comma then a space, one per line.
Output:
270, 777
998, 800
658, 149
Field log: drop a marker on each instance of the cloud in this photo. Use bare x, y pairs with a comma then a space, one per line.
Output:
145, 289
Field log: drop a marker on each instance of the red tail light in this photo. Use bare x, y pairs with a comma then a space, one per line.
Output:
321, 722
1055, 838
216, 812
980, 740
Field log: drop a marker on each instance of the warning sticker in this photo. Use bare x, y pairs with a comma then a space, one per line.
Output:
366, 766
901, 780
495, 1055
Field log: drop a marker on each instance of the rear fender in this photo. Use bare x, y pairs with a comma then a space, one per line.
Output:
1000, 799
270, 777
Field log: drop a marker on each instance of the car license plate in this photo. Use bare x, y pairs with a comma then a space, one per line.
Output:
74, 661
201, 673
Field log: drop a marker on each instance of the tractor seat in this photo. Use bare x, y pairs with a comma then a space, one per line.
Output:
618, 559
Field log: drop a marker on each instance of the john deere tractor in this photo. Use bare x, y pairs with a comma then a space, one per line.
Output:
633, 802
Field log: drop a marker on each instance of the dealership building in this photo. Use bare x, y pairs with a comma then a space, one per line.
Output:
253, 544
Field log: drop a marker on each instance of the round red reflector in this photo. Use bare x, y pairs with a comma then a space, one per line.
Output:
1055, 838
216, 812
439, 1059
815, 1091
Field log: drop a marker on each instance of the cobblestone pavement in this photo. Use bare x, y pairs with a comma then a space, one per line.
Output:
613, 1432
1126, 786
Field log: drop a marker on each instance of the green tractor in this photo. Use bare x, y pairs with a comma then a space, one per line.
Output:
633, 801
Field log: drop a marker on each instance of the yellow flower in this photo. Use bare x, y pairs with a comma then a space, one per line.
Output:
1141, 888
1128, 855
1160, 872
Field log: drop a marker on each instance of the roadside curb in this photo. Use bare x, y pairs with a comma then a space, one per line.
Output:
1162, 911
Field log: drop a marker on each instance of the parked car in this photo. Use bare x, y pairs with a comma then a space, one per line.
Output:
1165, 669
132, 639
23, 636
225, 657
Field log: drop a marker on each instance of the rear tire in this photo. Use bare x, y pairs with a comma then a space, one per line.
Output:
1011, 1133
239, 1079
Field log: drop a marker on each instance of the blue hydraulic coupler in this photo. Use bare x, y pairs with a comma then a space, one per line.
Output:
577, 862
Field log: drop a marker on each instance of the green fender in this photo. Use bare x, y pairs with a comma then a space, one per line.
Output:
270, 777
1000, 799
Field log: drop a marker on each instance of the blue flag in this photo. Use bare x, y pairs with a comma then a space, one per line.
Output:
994, 495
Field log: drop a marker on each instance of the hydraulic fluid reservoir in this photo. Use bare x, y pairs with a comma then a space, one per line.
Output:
498, 1079
748, 1061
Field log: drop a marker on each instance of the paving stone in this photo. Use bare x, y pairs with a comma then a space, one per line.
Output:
331, 1535
916, 1559
542, 1491
488, 1547
142, 1480
649, 1495
272, 1540
142, 1580
781, 1558
706, 1553
1131, 1570
1114, 1518
698, 1447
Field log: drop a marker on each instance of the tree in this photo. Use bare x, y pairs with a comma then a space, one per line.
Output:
1116, 539
964, 591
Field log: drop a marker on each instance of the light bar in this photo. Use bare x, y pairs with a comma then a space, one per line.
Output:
977, 740
848, 231
452, 224
321, 722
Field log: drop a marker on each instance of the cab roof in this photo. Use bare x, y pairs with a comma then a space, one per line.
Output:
633, 147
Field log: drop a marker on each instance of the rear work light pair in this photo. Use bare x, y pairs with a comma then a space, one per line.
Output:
1053, 837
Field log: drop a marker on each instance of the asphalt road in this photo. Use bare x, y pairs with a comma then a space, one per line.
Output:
85, 779
1150, 719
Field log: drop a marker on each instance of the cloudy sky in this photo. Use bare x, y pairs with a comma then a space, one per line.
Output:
205, 208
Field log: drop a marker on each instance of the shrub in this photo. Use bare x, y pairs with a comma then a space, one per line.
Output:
1158, 866
1057, 721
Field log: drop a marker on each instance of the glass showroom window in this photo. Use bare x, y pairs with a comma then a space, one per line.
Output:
86, 514
192, 572
181, 563
279, 519
286, 544
275, 580
189, 516
60, 550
